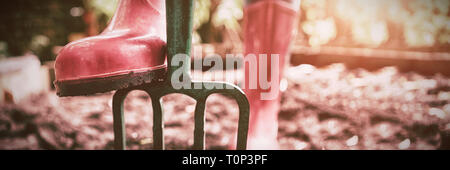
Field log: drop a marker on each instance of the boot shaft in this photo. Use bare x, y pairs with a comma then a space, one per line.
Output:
269, 26
268, 29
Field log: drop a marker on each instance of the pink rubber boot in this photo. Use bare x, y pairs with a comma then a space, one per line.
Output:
127, 52
268, 29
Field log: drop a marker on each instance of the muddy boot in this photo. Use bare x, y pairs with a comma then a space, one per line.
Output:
268, 29
130, 51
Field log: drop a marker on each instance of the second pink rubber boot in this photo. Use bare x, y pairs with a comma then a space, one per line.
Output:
268, 29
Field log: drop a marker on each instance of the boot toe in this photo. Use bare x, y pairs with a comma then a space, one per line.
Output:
100, 57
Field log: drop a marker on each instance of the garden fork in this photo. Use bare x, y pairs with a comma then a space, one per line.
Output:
179, 32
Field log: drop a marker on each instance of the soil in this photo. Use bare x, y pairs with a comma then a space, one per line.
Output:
322, 108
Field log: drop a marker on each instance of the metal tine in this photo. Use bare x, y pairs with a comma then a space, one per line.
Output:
244, 111
158, 123
118, 119
199, 132
244, 115
199, 129
158, 115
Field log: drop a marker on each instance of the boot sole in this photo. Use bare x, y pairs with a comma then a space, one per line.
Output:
84, 87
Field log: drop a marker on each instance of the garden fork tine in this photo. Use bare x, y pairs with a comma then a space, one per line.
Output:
179, 32
241, 100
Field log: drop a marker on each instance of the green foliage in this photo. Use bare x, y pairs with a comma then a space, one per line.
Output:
201, 12
423, 23
106, 7
228, 14
211, 17
37, 26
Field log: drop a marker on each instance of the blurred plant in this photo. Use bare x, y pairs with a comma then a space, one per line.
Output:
107, 7
217, 22
368, 25
228, 14
318, 26
428, 23
37, 26
3, 49
38, 43
103, 11
423, 23
201, 16
213, 18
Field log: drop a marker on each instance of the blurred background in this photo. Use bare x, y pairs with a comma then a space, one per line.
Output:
364, 74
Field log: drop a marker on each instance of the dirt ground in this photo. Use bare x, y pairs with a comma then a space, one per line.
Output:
322, 108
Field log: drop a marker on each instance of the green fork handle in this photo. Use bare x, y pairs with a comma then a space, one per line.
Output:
179, 15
